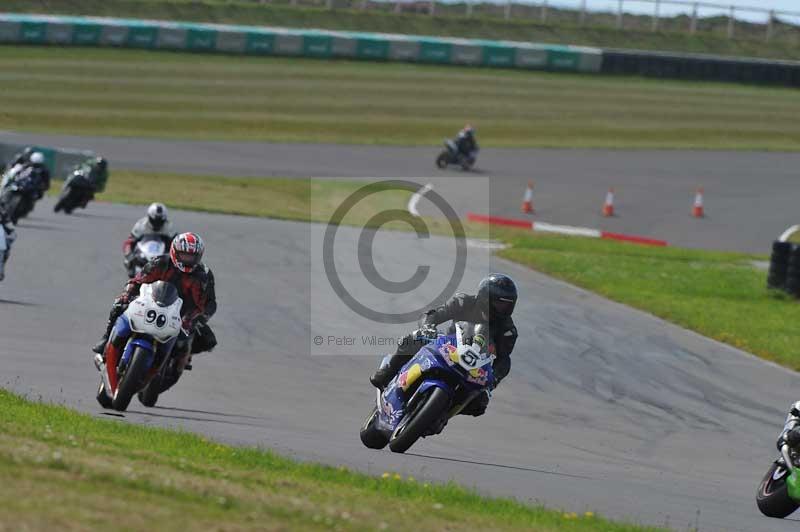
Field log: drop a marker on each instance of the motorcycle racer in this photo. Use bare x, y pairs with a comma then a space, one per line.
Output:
7, 237
493, 304
195, 283
465, 141
156, 222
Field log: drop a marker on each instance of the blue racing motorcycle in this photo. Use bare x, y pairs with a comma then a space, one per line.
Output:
435, 385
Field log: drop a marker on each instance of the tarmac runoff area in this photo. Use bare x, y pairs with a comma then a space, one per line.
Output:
606, 409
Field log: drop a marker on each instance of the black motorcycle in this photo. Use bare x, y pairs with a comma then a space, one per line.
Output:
78, 190
19, 192
451, 155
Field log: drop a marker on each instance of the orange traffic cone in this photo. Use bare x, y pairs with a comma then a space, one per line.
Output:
527, 200
608, 206
697, 209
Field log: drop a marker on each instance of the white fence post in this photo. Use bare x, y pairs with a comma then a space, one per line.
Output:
619, 14
582, 19
544, 12
693, 27
656, 15
730, 22
770, 23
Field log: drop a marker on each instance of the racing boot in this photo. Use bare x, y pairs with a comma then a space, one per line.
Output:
100, 346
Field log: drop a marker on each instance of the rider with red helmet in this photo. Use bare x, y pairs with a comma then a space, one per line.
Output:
195, 283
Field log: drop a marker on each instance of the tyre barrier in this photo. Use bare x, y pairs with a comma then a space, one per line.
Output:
793, 273
701, 67
779, 265
258, 40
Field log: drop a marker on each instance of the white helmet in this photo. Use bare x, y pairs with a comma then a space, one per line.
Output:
157, 215
37, 158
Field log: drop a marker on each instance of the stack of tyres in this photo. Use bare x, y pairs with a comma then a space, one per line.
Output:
793, 272
779, 265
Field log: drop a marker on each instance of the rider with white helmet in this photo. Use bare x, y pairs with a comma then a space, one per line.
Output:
157, 223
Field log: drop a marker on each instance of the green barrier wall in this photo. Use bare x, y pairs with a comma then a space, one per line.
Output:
59, 161
90, 31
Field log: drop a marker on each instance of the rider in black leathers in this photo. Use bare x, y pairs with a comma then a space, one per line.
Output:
494, 304
465, 141
9, 235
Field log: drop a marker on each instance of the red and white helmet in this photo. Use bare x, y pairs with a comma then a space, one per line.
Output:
186, 251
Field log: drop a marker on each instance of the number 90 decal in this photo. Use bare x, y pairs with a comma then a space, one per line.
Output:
159, 319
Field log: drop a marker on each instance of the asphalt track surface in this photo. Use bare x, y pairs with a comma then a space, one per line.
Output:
606, 409
750, 197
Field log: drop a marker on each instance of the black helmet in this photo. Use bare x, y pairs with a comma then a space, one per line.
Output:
497, 296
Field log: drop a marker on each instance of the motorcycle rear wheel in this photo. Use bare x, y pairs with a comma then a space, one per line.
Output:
149, 396
772, 497
370, 436
414, 425
132, 380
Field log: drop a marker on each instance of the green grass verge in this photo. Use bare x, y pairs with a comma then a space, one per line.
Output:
718, 294
192, 96
290, 199
68, 471
486, 24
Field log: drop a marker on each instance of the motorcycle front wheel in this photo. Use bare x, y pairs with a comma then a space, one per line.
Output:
63, 200
442, 160
12, 206
416, 423
132, 379
773, 495
370, 436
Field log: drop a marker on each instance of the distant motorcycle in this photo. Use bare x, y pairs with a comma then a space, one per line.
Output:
435, 385
19, 191
152, 323
451, 155
78, 190
148, 248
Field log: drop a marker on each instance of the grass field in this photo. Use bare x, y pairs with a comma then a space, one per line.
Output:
718, 294
160, 94
60, 470
562, 27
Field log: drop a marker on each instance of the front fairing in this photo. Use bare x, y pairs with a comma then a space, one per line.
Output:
432, 365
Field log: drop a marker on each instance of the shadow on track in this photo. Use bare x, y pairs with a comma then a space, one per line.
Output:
42, 227
96, 216
21, 303
190, 418
502, 466
208, 412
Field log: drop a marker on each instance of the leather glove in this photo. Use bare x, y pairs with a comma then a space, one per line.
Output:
427, 332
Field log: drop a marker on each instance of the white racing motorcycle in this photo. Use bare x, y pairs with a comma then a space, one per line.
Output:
150, 327
148, 248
